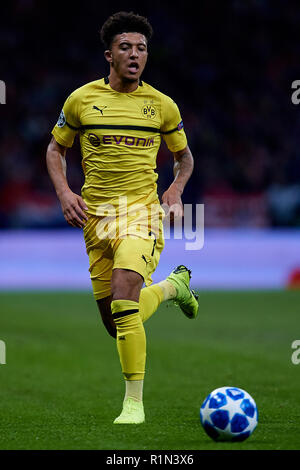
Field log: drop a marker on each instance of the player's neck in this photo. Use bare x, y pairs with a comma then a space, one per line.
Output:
122, 85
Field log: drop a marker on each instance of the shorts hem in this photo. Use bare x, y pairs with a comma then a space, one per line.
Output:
102, 296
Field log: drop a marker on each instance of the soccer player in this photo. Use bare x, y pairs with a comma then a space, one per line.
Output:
120, 120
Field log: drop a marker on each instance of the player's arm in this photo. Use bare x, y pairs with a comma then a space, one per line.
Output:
183, 168
174, 135
72, 204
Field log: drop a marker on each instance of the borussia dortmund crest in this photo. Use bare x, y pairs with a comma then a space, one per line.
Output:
149, 111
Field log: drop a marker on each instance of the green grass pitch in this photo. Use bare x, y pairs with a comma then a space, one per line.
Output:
61, 386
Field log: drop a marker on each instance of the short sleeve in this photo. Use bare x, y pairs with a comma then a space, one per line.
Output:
68, 123
172, 129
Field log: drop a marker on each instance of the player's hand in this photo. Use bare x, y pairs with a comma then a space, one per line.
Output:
73, 207
172, 203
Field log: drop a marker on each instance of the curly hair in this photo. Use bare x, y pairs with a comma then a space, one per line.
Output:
124, 22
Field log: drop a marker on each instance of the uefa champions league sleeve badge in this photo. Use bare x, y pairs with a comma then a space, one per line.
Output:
61, 120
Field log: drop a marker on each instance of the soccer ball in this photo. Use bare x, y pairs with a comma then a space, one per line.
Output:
229, 414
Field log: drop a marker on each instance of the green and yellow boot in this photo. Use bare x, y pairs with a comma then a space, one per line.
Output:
186, 298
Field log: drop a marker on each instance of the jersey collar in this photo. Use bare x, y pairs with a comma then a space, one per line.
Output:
106, 81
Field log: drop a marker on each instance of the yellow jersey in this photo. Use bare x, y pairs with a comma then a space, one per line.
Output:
120, 135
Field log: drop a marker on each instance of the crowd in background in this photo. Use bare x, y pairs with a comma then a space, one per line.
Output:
228, 67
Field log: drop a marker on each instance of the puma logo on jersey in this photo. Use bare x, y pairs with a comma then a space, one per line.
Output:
100, 109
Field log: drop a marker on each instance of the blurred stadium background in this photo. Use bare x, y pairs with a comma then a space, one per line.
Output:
229, 66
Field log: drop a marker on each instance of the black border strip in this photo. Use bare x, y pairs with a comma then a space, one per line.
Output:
124, 313
72, 127
124, 127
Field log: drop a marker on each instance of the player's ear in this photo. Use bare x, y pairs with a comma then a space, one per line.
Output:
108, 55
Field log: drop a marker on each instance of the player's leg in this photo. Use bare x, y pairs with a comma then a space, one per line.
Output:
135, 260
150, 299
104, 306
127, 300
176, 287
131, 341
126, 284
153, 295
100, 254
100, 273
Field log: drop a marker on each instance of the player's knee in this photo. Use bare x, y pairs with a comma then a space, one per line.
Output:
126, 284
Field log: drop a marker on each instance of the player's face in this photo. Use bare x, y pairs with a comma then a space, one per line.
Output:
128, 55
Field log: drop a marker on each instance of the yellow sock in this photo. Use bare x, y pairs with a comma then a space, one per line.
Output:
150, 299
169, 291
131, 338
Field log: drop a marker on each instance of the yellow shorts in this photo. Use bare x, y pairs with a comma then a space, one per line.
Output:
136, 253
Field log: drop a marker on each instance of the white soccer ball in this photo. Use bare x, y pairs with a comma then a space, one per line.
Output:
229, 414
